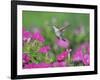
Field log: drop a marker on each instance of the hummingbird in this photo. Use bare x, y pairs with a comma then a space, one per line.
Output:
59, 31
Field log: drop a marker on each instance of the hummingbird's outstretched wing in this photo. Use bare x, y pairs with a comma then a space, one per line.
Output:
63, 28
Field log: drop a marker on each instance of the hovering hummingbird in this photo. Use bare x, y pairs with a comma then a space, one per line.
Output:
59, 31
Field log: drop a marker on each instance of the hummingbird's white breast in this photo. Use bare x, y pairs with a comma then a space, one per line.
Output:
57, 32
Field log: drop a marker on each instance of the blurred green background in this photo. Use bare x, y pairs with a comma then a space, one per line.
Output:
43, 20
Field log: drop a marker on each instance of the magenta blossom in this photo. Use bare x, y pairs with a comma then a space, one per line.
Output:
26, 35
44, 49
43, 65
78, 55
88, 49
82, 54
86, 59
63, 55
62, 43
29, 66
59, 64
26, 58
40, 65
85, 47
37, 36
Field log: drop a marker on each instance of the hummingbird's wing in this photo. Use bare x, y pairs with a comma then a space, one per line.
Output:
63, 28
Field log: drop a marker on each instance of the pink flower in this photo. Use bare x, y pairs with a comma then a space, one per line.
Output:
29, 66
44, 49
59, 64
43, 65
26, 35
62, 43
63, 55
40, 65
86, 59
82, 54
88, 49
78, 55
37, 36
85, 47
26, 58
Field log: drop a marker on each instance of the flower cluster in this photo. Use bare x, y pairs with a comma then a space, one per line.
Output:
38, 54
82, 54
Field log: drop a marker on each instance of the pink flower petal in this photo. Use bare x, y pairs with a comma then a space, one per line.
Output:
78, 56
63, 55
59, 64
44, 49
86, 59
62, 43
38, 36
26, 35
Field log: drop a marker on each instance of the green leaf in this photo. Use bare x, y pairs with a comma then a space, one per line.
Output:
26, 47
53, 59
80, 38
